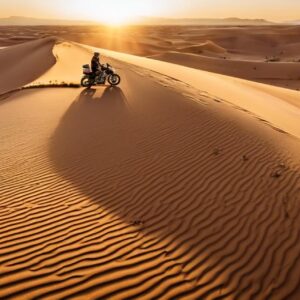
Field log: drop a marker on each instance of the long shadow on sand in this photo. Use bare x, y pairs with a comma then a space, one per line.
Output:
164, 172
89, 131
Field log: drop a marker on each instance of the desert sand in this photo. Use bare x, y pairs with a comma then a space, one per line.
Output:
266, 54
19, 63
178, 184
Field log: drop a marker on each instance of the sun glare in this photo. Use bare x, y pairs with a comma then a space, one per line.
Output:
119, 12
116, 18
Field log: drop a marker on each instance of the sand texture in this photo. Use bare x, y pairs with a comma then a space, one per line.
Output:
173, 185
23, 63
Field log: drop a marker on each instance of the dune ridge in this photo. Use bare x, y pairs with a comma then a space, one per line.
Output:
21, 64
147, 191
205, 47
256, 98
282, 74
267, 54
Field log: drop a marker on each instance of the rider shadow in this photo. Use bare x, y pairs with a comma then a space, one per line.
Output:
110, 97
98, 107
89, 137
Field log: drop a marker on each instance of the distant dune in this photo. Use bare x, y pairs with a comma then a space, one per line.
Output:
285, 74
294, 22
203, 48
268, 54
203, 21
27, 21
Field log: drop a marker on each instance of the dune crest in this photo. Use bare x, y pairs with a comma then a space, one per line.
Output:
68, 66
22, 64
205, 47
267, 54
259, 99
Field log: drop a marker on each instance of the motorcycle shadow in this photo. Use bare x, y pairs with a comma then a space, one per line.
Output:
91, 121
110, 95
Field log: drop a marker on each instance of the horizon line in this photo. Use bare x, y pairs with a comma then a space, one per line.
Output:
151, 17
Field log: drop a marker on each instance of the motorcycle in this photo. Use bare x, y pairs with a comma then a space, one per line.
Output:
107, 73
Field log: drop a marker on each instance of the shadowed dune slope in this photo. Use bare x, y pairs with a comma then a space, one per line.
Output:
152, 190
68, 66
21, 64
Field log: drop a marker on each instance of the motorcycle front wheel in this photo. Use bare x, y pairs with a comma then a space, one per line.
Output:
86, 82
114, 79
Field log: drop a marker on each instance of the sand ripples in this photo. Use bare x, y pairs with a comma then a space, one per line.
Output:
166, 198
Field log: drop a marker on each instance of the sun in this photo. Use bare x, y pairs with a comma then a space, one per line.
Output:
117, 18
117, 12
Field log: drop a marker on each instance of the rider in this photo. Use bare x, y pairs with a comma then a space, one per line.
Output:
96, 65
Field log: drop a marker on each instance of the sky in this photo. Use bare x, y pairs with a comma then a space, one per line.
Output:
124, 10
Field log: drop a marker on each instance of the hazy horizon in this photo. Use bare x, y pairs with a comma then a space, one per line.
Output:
143, 16
122, 11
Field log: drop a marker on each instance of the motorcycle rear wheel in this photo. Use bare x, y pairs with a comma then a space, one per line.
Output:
86, 82
114, 79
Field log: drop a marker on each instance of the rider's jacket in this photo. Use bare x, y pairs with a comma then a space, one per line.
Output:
95, 64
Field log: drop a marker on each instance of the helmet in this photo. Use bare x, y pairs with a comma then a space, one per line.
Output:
97, 54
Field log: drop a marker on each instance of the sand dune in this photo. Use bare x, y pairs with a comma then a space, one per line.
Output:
249, 42
284, 74
267, 54
255, 98
207, 47
158, 189
23, 63
68, 66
